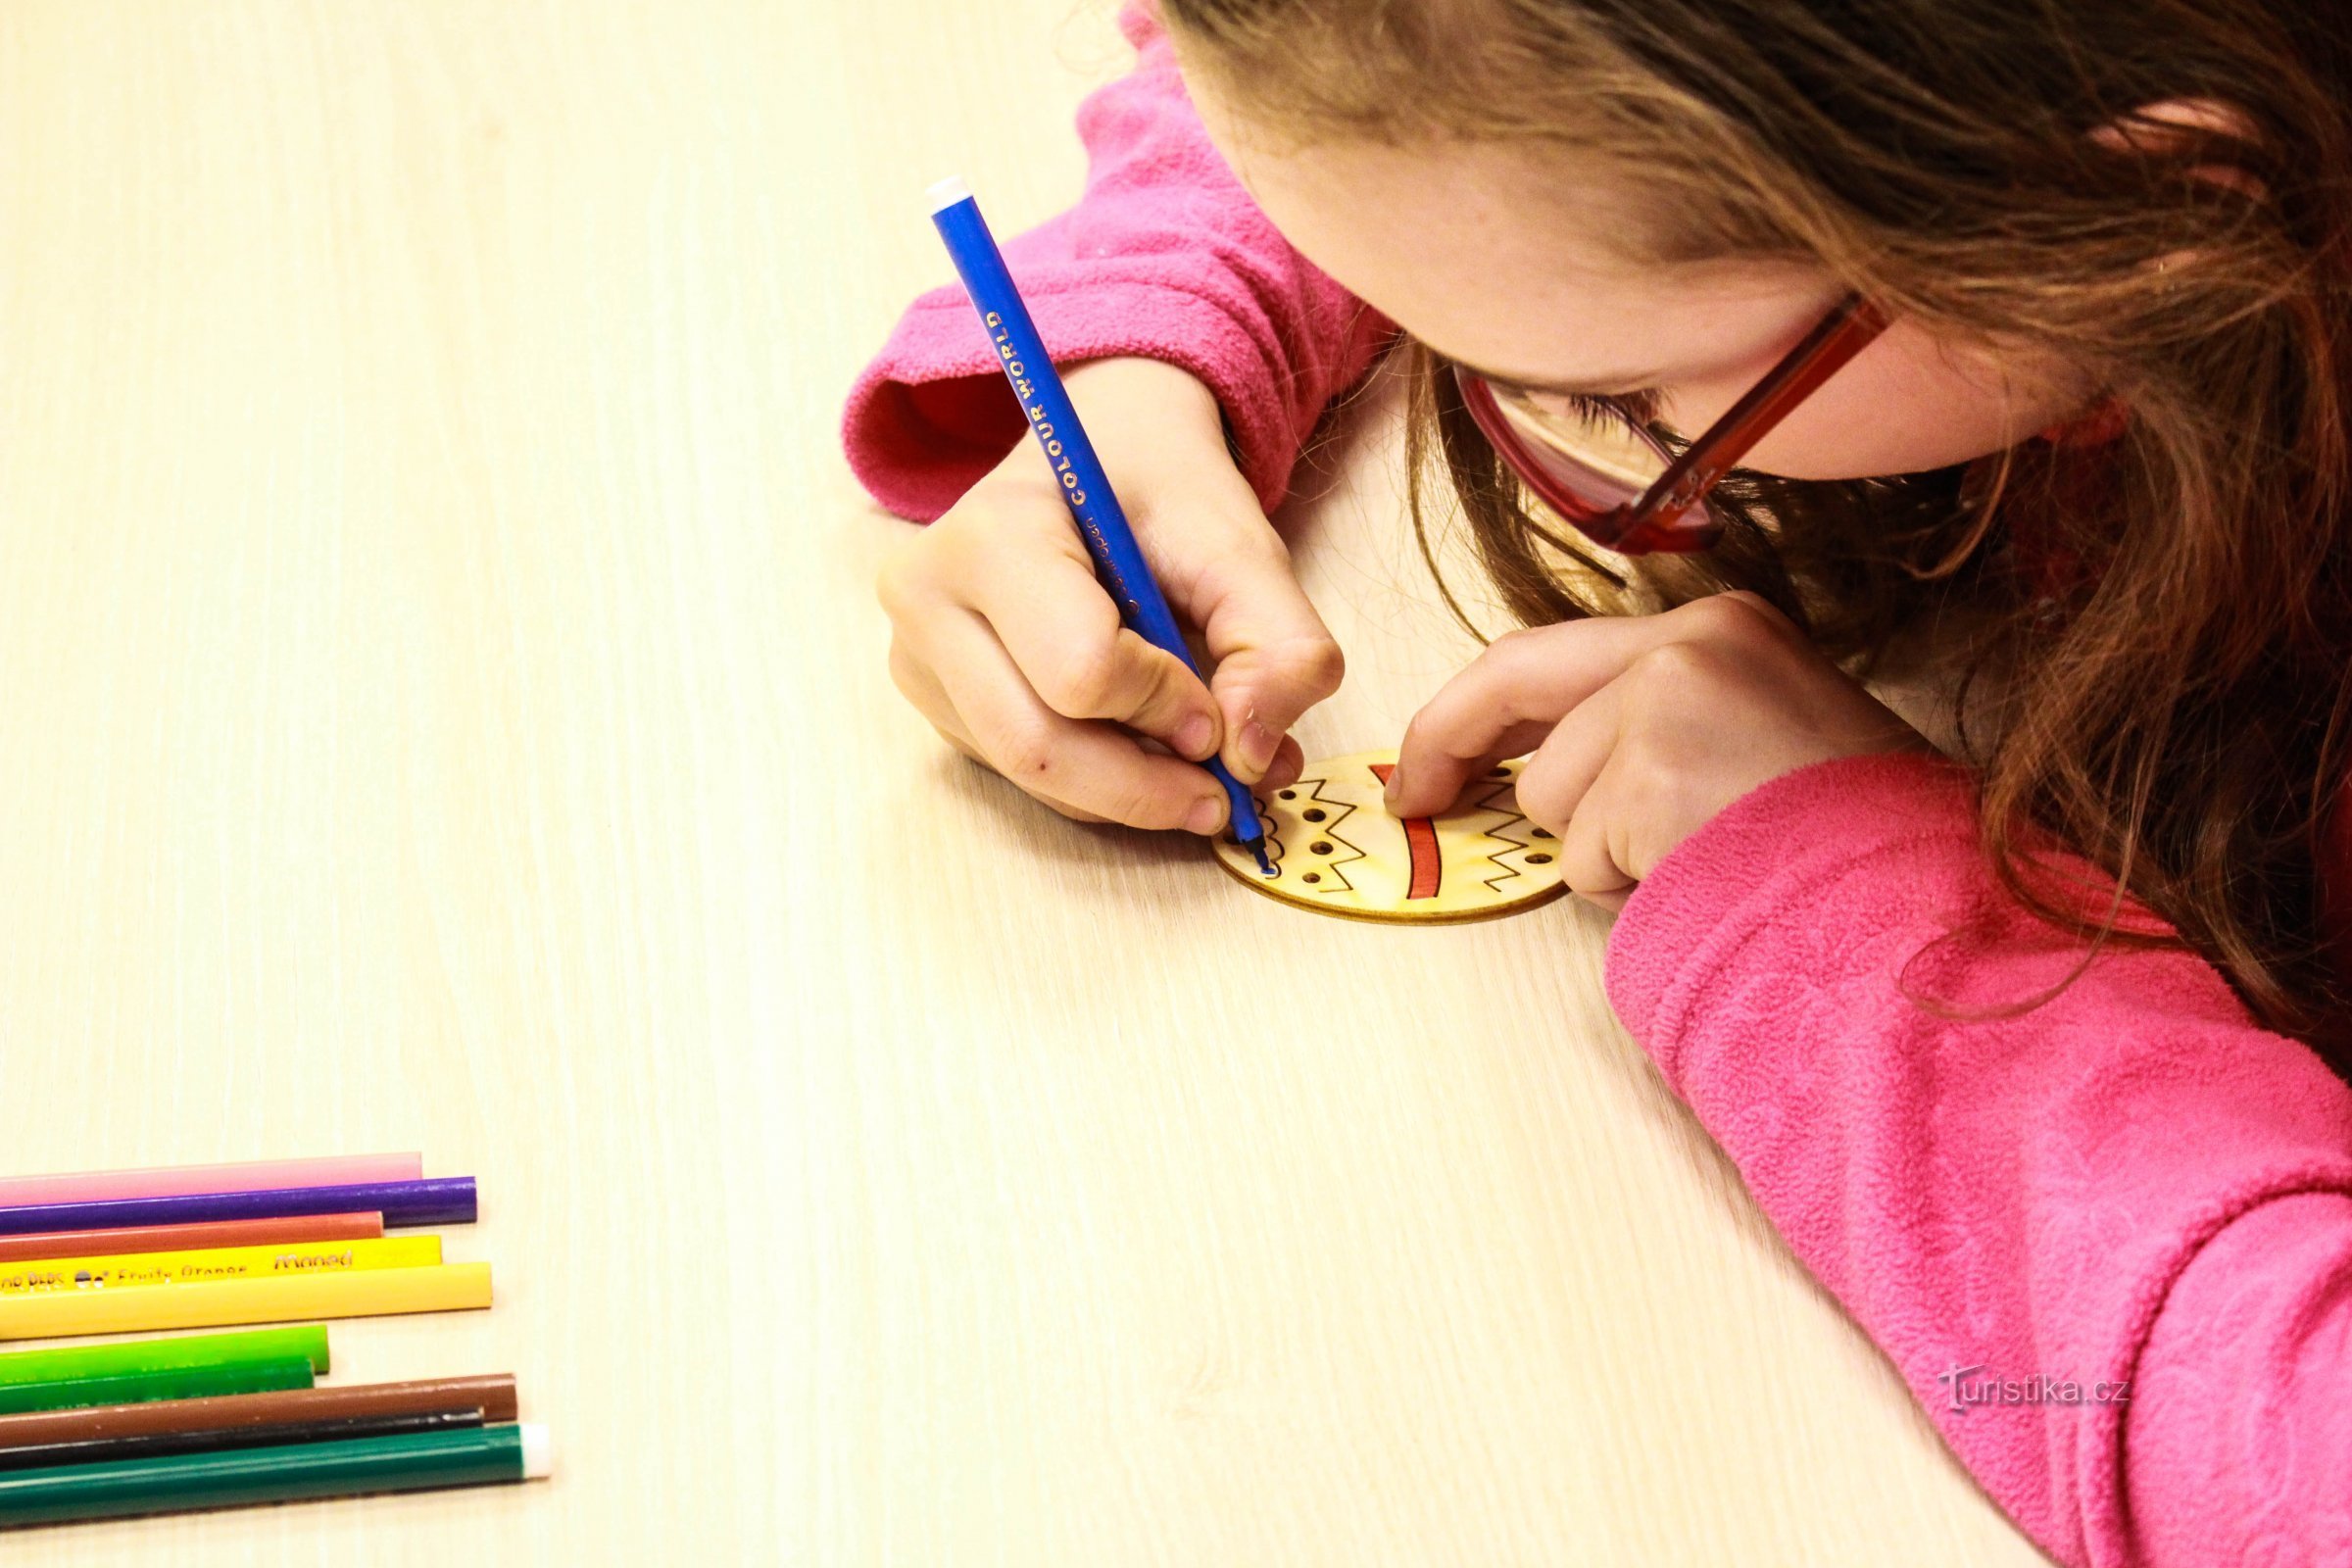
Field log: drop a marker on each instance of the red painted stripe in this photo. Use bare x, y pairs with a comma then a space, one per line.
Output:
1421, 841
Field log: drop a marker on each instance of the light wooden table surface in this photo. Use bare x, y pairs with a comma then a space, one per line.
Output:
442, 705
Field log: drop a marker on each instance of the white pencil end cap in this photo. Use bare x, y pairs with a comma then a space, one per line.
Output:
538, 1453
947, 193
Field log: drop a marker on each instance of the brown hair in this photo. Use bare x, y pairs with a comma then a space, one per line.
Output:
2155, 632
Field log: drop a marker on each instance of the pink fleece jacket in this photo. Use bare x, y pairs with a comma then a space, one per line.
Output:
2107, 1241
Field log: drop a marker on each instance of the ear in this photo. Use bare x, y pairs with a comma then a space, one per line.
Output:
2161, 129
2094, 426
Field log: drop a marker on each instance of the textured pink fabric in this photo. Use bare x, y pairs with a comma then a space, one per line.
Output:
1166, 256
2128, 1184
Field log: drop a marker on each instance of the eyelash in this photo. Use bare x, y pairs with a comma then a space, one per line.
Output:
1640, 405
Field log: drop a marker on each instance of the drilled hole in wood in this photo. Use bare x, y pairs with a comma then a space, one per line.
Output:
1319, 847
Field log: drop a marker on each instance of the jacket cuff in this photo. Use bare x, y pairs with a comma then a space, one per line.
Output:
932, 414
1772, 855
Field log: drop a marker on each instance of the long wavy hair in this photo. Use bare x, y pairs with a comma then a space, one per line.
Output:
2152, 635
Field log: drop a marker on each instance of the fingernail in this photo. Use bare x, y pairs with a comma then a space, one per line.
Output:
1257, 747
1394, 790
1195, 736
1206, 815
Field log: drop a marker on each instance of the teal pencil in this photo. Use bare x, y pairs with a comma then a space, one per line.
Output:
416, 1462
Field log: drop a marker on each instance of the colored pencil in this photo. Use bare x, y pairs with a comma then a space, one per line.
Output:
71, 1362
482, 1457
362, 1293
1054, 420
441, 1201
139, 1271
217, 1440
274, 1231
248, 1176
164, 1383
492, 1395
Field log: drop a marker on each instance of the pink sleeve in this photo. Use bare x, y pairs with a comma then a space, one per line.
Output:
1166, 257
2131, 1185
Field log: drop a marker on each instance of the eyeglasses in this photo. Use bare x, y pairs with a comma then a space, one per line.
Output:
1600, 465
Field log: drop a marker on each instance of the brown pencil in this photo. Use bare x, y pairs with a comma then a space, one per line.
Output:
494, 1396
190, 1238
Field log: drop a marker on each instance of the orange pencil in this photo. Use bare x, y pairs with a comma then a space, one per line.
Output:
192, 1237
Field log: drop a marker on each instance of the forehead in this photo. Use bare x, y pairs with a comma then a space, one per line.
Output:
1516, 260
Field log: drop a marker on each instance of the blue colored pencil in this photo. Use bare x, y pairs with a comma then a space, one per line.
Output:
1046, 402
437, 1201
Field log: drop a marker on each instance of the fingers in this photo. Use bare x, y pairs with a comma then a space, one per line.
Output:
1507, 699
1004, 638
1290, 761
1082, 767
1566, 789
918, 686
1065, 636
1503, 702
1274, 658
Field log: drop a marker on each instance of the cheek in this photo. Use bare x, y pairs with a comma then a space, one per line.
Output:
1904, 405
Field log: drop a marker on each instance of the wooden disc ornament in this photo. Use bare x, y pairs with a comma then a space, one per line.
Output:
1337, 850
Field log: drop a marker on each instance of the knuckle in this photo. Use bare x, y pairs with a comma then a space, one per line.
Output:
1733, 615
1643, 754
1143, 807
1322, 666
1085, 683
1681, 666
1512, 644
1521, 652
1544, 808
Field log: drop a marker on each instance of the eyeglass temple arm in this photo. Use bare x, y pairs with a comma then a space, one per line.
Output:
1839, 335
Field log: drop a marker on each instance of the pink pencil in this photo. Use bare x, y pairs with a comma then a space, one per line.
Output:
171, 1181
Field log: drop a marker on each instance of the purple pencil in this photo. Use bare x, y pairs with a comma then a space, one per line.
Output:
439, 1201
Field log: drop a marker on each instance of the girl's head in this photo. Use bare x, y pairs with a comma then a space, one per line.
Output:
2068, 210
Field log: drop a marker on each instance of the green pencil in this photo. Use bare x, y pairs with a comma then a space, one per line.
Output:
308, 1340
162, 1383
479, 1457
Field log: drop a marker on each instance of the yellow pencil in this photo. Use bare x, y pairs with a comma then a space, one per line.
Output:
273, 1299
118, 1270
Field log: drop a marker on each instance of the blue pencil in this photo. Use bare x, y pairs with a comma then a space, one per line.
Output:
1119, 562
436, 1201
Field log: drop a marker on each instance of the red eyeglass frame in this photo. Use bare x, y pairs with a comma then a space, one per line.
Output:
1662, 518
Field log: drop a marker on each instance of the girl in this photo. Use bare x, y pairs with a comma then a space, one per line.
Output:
2022, 332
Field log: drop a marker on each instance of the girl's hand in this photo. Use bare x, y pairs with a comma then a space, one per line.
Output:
1002, 636
1643, 727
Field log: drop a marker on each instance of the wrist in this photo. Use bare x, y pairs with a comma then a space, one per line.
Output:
1146, 406
1146, 420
